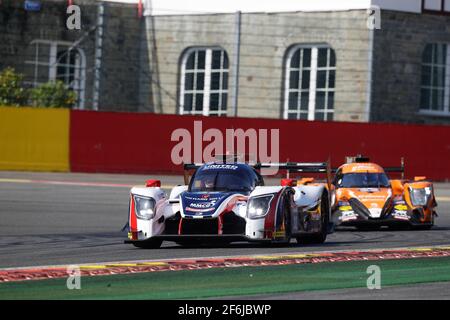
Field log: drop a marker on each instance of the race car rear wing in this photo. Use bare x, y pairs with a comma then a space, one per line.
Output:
400, 169
302, 167
305, 167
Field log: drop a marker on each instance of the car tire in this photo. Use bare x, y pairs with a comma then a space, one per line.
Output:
287, 224
427, 226
320, 237
150, 244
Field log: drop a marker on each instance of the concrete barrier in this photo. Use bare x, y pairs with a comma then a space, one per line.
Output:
84, 141
34, 139
141, 143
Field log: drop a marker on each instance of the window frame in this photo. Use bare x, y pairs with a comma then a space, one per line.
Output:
446, 101
312, 89
207, 91
53, 63
441, 11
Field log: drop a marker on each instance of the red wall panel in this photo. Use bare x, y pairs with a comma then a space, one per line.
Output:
141, 143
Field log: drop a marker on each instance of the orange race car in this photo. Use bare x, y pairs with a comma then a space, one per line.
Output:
367, 199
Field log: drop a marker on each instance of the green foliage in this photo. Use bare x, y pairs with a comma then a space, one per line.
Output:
53, 94
12, 92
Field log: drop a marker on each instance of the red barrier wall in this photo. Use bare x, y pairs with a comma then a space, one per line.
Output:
141, 143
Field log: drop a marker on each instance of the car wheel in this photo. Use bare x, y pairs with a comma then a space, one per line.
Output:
287, 223
427, 226
321, 236
149, 244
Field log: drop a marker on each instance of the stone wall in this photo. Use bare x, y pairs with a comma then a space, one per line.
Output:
141, 61
119, 84
265, 41
398, 50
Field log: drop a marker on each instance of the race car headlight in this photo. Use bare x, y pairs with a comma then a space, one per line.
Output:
258, 207
419, 197
145, 207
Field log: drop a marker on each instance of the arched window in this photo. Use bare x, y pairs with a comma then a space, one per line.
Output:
55, 60
310, 82
204, 82
435, 86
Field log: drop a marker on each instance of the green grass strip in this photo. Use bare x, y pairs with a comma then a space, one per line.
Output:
234, 281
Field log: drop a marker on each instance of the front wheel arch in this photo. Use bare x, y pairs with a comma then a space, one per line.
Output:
320, 237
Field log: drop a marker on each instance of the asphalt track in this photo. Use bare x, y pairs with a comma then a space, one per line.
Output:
423, 291
53, 218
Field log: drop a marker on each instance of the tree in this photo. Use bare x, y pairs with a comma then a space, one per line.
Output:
53, 94
12, 92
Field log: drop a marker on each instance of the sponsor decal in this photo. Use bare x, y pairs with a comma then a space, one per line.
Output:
348, 215
203, 205
401, 215
375, 212
198, 210
202, 198
220, 166
372, 197
365, 168
401, 207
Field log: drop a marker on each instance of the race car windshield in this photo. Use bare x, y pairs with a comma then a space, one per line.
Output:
207, 181
364, 180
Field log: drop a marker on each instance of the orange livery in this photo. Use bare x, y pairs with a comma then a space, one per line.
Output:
367, 198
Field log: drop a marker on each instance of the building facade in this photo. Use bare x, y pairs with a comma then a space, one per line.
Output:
36, 42
358, 60
346, 62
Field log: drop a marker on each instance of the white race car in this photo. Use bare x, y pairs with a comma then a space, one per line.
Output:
229, 202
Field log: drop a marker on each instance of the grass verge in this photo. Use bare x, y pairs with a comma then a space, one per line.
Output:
233, 281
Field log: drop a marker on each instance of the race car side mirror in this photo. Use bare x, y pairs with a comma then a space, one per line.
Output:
416, 179
153, 183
